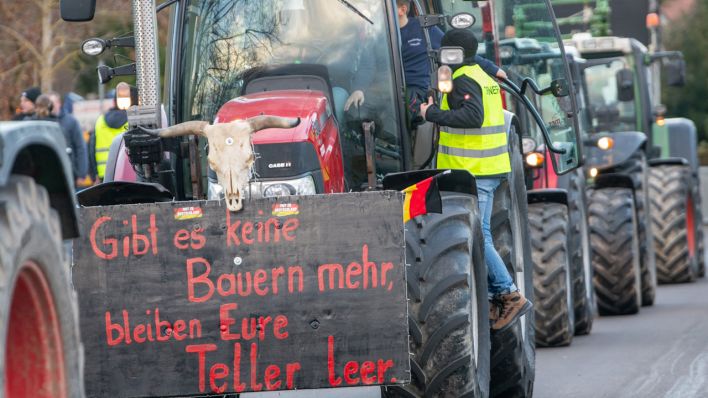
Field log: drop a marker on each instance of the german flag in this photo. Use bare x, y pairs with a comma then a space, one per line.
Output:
422, 198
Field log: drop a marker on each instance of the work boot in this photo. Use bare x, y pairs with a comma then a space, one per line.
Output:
514, 305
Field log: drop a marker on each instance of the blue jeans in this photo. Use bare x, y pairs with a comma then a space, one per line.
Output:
498, 279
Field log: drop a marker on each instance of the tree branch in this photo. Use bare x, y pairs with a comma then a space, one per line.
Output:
12, 70
22, 41
66, 58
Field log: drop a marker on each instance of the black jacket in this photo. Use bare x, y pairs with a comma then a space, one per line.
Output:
466, 108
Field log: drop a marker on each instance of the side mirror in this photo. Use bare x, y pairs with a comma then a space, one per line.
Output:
77, 10
559, 88
676, 73
625, 85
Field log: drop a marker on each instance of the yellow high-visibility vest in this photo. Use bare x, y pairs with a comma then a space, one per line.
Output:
481, 151
104, 137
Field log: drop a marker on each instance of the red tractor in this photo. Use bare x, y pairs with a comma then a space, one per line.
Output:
314, 92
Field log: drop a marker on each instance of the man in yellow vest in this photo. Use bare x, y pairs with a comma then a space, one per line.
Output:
473, 138
108, 126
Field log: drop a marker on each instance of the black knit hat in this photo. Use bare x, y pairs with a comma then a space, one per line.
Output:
32, 93
461, 38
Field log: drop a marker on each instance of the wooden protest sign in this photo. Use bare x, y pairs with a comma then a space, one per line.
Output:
186, 298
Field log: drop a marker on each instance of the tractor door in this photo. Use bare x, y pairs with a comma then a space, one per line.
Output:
535, 59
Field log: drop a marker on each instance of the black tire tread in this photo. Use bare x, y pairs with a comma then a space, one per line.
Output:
441, 251
580, 254
669, 185
555, 323
613, 237
513, 362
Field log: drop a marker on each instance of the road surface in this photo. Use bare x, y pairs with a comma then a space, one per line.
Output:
662, 352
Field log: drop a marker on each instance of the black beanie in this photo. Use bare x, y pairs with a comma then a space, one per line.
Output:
32, 93
461, 38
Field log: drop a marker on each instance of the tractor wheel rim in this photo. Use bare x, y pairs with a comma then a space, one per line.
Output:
690, 226
34, 360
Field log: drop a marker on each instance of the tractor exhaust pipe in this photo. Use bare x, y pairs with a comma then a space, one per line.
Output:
148, 112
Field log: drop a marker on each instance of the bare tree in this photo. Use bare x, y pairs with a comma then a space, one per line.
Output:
36, 43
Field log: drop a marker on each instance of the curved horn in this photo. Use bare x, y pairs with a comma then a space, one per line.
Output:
194, 127
268, 122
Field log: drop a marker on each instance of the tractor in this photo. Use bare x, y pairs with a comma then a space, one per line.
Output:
557, 206
628, 112
305, 98
673, 138
581, 15
42, 355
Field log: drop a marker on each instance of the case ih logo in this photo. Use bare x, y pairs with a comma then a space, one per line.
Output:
188, 213
285, 209
280, 165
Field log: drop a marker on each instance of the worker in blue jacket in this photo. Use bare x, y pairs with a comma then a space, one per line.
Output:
416, 64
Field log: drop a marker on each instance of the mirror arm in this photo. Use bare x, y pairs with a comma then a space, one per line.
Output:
528, 82
128, 41
428, 20
659, 55
509, 86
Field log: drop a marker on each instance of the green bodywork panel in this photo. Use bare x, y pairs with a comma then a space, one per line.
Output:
660, 138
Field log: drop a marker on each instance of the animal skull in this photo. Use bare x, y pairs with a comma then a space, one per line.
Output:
230, 149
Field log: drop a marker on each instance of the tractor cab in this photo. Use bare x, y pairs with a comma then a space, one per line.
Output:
331, 64
616, 102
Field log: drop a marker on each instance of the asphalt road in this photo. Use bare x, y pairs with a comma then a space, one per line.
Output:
661, 352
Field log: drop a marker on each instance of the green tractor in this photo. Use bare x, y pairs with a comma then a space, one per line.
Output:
557, 203
623, 107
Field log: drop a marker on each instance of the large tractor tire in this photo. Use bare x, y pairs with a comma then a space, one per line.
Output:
698, 216
673, 217
39, 331
514, 350
448, 308
639, 170
580, 253
555, 315
615, 260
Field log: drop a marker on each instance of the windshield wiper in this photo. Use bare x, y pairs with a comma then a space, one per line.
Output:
351, 7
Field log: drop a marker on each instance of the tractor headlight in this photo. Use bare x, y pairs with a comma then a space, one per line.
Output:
268, 189
605, 143
298, 186
214, 191
277, 190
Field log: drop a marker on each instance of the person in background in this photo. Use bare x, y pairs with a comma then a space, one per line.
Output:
27, 103
473, 138
43, 107
75, 144
416, 64
108, 126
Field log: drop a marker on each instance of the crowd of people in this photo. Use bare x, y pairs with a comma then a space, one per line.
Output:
88, 151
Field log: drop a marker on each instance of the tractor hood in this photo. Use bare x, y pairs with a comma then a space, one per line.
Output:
310, 106
626, 144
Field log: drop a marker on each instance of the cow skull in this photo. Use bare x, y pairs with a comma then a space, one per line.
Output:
230, 149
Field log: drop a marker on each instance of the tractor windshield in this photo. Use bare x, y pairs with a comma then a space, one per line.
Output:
609, 111
226, 41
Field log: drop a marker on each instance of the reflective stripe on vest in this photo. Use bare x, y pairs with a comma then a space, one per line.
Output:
484, 150
104, 138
